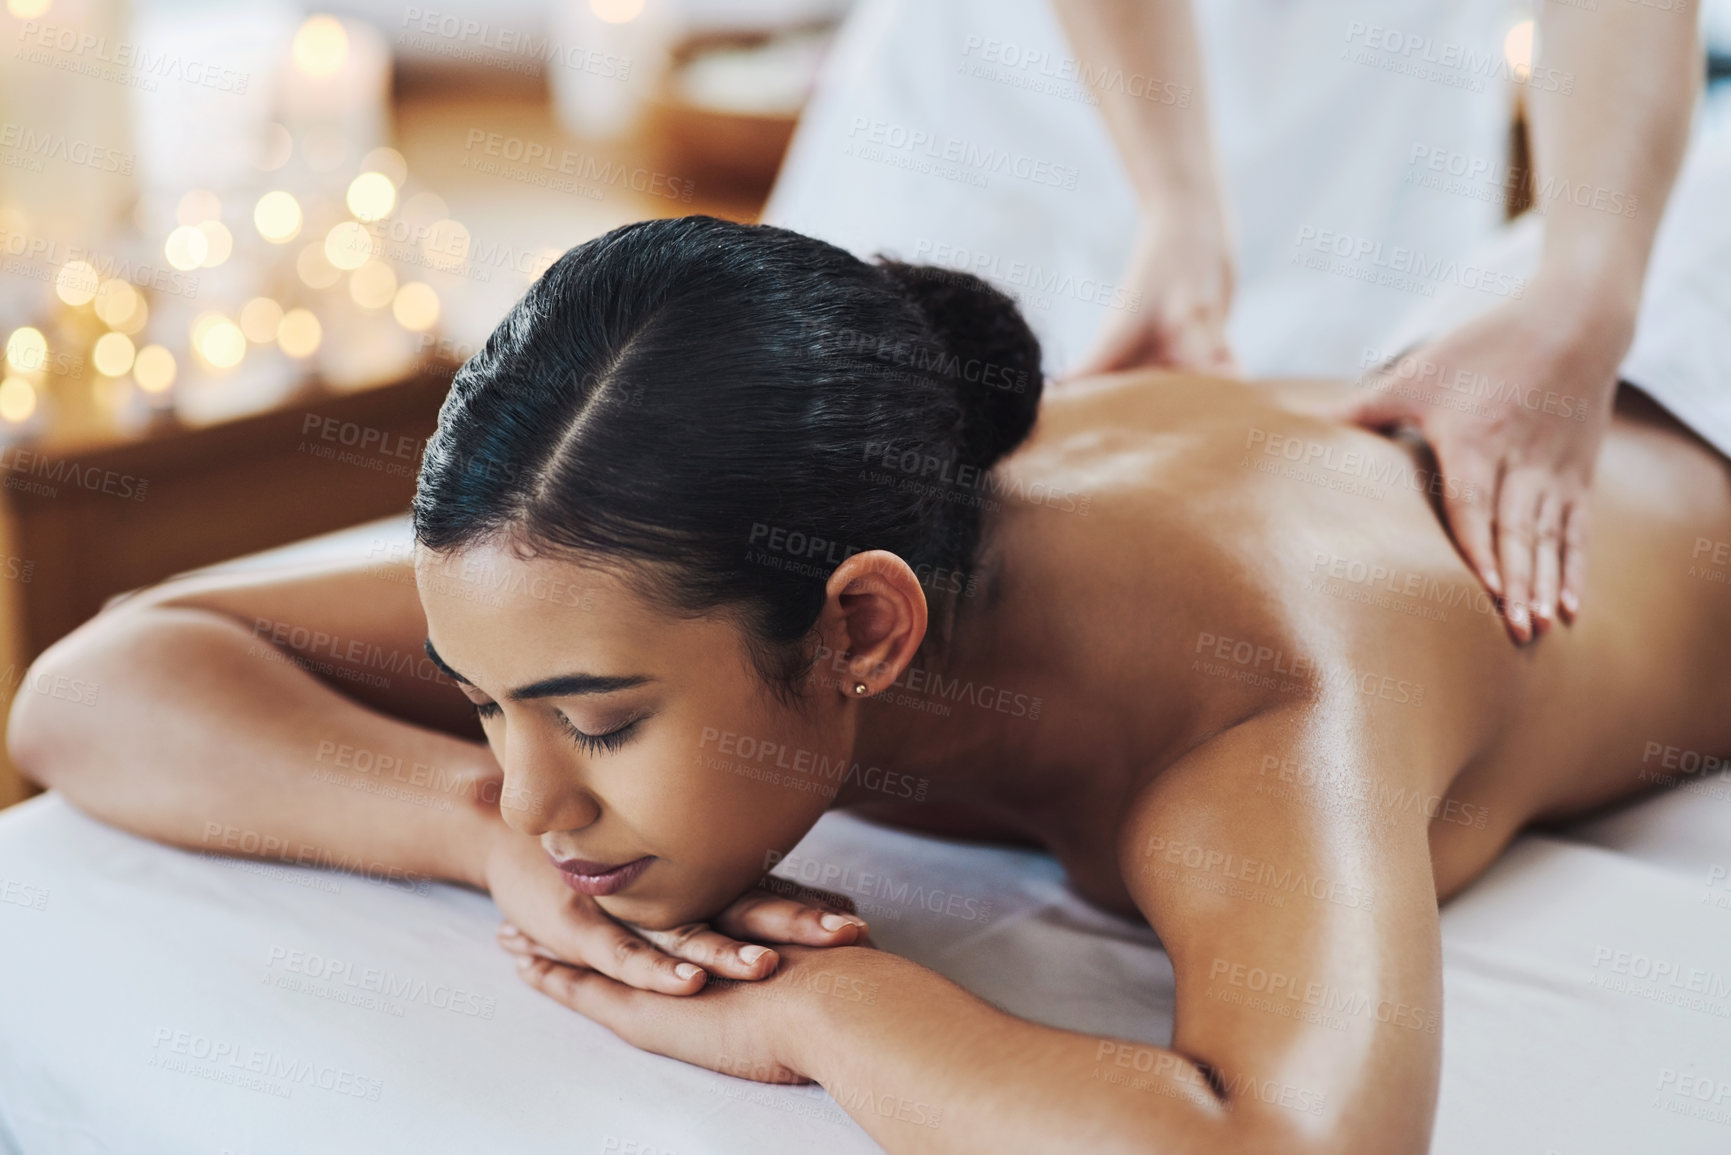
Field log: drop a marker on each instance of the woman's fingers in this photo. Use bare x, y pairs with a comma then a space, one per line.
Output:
765, 915
714, 951
587, 937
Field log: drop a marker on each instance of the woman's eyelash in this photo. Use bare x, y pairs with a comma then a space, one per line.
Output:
593, 743
597, 743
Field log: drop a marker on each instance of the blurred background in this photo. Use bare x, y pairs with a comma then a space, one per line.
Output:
243, 247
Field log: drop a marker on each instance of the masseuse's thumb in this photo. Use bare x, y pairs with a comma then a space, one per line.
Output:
1375, 404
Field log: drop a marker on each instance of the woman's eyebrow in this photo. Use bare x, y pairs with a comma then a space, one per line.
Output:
561, 685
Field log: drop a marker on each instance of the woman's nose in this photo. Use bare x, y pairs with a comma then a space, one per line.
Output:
540, 794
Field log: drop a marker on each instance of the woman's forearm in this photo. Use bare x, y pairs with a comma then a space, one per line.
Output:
205, 736
924, 1066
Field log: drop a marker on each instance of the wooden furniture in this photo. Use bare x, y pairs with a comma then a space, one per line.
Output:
81, 523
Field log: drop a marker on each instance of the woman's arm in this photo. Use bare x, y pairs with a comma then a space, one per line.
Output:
219, 724
1308, 966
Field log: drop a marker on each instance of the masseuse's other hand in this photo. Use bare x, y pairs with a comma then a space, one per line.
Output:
1173, 301
1515, 405
571, 927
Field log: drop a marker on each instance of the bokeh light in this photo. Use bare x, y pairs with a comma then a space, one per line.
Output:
113, 354
153, 369
388, 161
77, 282
259, 318
218, 341
372, 196
321, 46
617, 11
17, 399
186, 248
277, 216
27, 348
299, 334
121, 306
416, 306
348, 245
1518, 49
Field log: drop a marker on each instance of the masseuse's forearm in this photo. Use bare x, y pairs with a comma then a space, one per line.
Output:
201, 735
1142, 60
924, 1066
1609, 106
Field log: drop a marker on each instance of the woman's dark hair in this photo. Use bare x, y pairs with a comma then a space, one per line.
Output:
735, 409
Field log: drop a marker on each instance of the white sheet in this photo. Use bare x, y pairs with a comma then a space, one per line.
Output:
124, 960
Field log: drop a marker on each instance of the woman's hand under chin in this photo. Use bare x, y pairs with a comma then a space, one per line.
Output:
572, 928
752, 1030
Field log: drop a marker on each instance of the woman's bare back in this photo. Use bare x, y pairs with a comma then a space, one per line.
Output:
1174, 554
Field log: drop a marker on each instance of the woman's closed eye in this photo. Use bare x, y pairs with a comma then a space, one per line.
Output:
593, 743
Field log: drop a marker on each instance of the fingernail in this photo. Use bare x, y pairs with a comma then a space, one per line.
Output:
1571, 603
1494, 580
510, 931
833, 922
525, 961
687, 970
1542, 613
750, 954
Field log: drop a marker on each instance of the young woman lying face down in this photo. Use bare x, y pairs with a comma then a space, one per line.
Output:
725, 527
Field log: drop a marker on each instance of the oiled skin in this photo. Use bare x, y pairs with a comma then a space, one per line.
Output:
1187, 535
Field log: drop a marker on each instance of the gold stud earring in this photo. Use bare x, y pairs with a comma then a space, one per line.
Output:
859, 688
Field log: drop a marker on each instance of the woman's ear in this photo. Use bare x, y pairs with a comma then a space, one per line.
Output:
876, 609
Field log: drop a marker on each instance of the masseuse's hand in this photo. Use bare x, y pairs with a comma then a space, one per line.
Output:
1176, 294
1515, 405
573, 928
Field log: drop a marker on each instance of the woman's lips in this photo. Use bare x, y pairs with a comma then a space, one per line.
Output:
598, 878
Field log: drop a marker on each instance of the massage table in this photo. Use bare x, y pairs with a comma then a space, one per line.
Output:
158, 1000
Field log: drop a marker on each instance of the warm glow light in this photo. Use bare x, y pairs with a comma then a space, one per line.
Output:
77, 282
416, 306
186, 248
113, 354
1518, 49
388, 161
218, 340
218, 243
315, 271
27, 348
446, 245
198, 206
348, 245
321, 46
27, 10
17, 399
259, 318
372, 285
275, 146
299, 333
277, 216
372, 196
617, 11
153, 369
120, 306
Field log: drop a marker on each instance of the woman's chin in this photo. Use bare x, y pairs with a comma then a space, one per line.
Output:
657, 913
